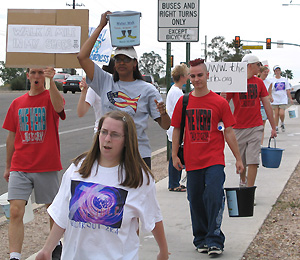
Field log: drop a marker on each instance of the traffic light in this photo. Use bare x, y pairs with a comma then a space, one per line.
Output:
172, 61
268, 42
237, 42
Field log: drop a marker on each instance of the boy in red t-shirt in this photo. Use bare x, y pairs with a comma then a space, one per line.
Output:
249, 124
204, 158
33, 152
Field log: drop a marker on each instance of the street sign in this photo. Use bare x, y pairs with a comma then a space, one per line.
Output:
178, 21
252, 47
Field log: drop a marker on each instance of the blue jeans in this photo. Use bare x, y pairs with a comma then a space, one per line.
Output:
206, 197
174, 174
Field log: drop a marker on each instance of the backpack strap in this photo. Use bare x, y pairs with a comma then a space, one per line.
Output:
185, 102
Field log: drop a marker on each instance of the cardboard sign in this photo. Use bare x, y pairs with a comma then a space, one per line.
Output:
102, 49
46, 17
227, 76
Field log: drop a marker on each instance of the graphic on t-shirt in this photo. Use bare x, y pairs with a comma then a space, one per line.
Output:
248, 99
117, 99
279, 86
199, 125
98, 204
32, 122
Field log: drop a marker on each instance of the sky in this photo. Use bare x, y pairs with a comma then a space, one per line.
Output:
253, 20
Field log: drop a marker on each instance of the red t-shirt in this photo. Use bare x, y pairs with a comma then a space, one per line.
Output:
247, 105
203, 142
35, 123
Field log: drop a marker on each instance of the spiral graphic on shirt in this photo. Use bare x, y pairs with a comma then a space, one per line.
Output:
98, 204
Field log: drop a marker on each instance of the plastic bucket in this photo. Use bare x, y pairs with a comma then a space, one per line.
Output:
28, 215
271, 157
240, 201
124, 28
293, 112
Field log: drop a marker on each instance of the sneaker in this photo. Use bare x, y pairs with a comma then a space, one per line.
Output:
202, 249
243, 184
214, 251
57, 252
277, 131
282, 128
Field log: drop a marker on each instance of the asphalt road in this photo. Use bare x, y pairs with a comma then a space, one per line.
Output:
75, 133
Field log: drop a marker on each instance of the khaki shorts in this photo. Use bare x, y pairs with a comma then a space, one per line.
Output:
282, 106
249, 140
45, 185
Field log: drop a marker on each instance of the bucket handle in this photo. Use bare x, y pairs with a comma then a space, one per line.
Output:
270, 141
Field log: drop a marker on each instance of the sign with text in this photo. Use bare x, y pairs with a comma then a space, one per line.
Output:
43, 38
178, 21
102, 49
227, 76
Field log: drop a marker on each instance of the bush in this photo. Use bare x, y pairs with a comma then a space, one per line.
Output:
18, 83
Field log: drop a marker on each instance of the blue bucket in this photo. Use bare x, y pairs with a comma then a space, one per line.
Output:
271, 157
124, 28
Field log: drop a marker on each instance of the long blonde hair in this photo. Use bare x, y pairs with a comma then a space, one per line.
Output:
130, 160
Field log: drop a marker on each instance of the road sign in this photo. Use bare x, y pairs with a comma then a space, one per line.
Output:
178, 21
252, 47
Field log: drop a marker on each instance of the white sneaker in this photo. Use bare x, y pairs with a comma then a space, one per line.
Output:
243, 184
282, 127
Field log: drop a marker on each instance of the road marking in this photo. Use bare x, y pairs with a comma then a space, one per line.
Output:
64, 132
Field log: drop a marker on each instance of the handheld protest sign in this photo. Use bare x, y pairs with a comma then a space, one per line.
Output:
227, 76
45, 37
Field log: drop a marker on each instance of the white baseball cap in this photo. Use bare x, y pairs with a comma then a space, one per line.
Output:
250, 58
128, 51
276, 67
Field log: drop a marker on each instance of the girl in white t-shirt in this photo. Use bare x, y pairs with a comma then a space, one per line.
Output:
280, 96
102, 195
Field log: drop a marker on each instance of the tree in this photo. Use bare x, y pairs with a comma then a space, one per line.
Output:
151, 63
287, 74
8, 74
223, 51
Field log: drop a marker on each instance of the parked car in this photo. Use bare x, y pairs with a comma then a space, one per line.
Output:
72, 84
61, 77
295, 93
150, 79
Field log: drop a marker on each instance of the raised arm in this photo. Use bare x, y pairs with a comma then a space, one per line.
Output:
55, 96
84, 55
83, 106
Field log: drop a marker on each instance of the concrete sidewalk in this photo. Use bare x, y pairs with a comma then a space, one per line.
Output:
239, 232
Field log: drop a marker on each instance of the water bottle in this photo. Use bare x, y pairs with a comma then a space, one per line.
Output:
221, 126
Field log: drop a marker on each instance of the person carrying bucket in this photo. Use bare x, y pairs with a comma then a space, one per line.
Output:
249, 123
204, 157
126, 90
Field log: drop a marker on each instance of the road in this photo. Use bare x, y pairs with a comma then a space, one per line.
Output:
75, 133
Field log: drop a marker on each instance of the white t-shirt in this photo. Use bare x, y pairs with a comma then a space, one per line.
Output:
100, 216
134, 97
279, 91
173, 95
95, 101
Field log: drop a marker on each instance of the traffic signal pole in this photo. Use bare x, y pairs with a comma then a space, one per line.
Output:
168, 83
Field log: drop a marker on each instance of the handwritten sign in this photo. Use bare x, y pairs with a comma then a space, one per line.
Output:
227, 76
43, 38
102, 49
178, 21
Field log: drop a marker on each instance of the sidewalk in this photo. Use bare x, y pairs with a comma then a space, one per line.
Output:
239, 232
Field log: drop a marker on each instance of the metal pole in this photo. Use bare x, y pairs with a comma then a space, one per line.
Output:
188, 57
168, 83
73, 4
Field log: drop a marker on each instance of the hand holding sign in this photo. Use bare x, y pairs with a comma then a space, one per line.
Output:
49, 74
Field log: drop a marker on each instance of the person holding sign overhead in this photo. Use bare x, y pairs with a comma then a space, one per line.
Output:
126, 91
102, 196
32, 152
249, 124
